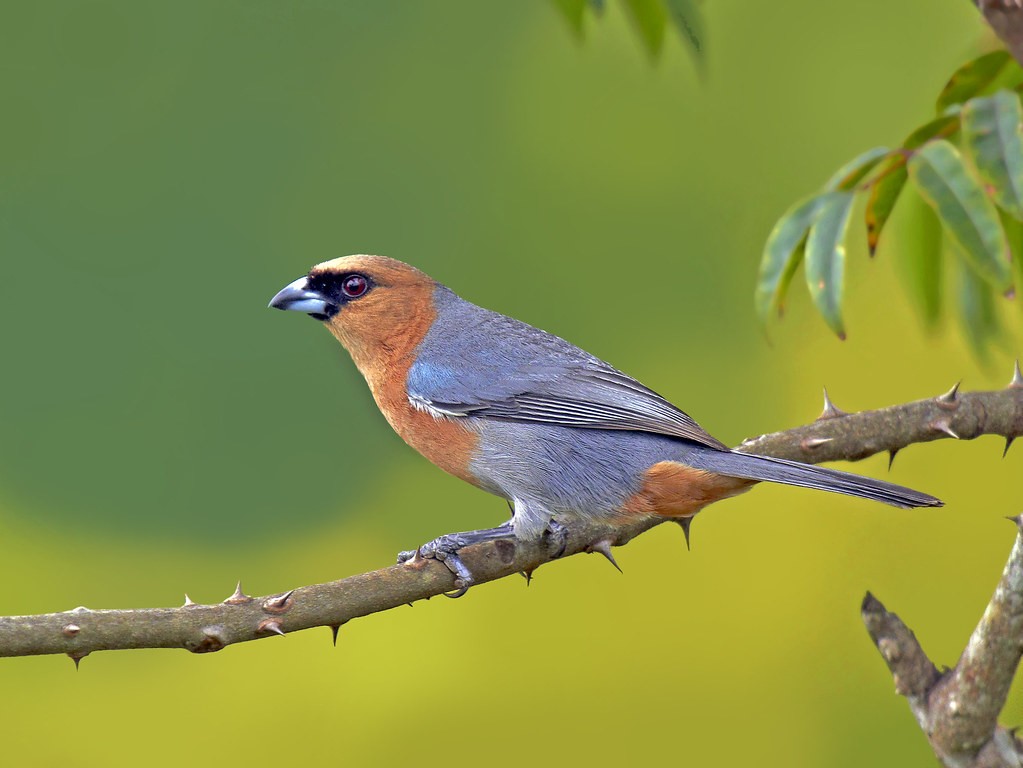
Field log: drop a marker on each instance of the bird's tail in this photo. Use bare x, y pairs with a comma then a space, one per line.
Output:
768, 468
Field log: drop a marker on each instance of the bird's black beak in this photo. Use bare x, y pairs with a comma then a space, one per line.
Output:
298, 297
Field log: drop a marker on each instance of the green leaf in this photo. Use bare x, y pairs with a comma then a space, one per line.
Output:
782, 254
977, 311
850, 174
891, 179
573, 12
688, 21
940, 127
883, 193
650, 20
918, 256
825, 258
969, 217
994, 140
1014, 234
972, 78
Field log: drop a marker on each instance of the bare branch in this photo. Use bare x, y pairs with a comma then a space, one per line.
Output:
958, 710
852, 436
204, 628
1005, 17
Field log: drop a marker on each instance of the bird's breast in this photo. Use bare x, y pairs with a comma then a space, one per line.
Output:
450, 443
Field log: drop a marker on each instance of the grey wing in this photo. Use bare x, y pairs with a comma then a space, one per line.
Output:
486, 364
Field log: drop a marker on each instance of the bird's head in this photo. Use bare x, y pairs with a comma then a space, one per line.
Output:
370, 303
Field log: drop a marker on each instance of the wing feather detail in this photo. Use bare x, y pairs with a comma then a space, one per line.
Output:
478, 363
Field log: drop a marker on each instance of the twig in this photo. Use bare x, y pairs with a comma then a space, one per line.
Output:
204, 628
1005, 17
958, 710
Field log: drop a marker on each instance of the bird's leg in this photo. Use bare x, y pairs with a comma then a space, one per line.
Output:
445, 549
559, 535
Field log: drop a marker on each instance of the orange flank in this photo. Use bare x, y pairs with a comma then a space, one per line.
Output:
675, 490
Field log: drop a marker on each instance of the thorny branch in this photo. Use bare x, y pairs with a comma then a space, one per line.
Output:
204, 628
1005, 17
958, 709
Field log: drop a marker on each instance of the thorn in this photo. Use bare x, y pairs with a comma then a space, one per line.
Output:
70, 630
79, 609
188, 602
950, 398
1017, 376
830, 410
77, 656
814, 442
943, 425
603, 547
270, 625
1016, 520
528, 576
1008, 444
684, 523
891, 457
278, 604
237, 597
871, 604
333, 630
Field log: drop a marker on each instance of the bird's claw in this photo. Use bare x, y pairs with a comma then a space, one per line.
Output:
444, 549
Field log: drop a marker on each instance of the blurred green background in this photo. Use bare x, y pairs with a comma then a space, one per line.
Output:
166, 167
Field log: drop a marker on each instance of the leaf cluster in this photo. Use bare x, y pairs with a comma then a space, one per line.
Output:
649, 18
966, 164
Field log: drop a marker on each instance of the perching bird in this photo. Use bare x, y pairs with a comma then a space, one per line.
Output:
528, 416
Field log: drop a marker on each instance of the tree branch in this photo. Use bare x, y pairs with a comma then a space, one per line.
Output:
958, 710
204, 628
1005, 17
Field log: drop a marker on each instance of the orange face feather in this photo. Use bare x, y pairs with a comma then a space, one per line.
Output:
381, 332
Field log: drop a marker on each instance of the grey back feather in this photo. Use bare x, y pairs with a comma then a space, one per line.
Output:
475, 362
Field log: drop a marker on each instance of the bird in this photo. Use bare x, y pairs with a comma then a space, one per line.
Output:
525, 415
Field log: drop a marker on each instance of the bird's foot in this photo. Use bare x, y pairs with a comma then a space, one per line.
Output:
445, 549
558, 536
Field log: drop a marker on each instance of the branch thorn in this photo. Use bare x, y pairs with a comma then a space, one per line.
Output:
270, 625
528, 576
950, 398
685, 523
77, 656
814, 442
831, 411
188, 602
892, 452
278, 604
1008, 444
333, 630
603, 547
943, 425
237, 597
1017, 376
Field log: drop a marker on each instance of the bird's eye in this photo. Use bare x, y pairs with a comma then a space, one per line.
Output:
354, 286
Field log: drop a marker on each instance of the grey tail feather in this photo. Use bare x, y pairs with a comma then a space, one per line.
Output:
753, 467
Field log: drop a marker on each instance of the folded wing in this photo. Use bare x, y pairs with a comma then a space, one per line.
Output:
500, 368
